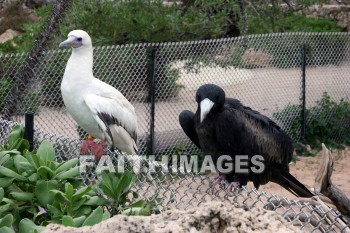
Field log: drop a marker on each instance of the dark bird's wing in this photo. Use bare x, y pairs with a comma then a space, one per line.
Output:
243, 131
259, 134
264, 120
186, 119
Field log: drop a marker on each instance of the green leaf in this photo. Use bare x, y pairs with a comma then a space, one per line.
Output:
7, 221
6, 181
79, 193
46, 152
84, 210
22, 145
138, 208
21, 163
124, 184
96, 200
43, 170
95, 217
4, 159
69, 190
9, 201
71, 173
22, 196
59, 194
79, 221
32, 159
106, 215
5, 207
9, 173
8, 152
107, 185
27, 226
42, 191
33, 177
79, 203
16, 134
66, 165
52, 165
67, 221
1, 194
53, 210
6, 230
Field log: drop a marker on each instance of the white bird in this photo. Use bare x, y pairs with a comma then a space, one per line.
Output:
100, 109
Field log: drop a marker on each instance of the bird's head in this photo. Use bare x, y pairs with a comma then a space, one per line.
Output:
209, 97
77, 39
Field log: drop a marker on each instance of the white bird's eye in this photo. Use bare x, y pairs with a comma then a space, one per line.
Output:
79, 39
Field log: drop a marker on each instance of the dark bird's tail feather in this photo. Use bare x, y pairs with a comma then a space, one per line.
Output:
290, 183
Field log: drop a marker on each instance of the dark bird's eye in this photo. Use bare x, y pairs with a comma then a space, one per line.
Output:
79, 39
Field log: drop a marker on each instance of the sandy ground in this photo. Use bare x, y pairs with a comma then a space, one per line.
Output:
305, 170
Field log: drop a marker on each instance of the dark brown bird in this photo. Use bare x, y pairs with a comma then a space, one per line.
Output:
223, 126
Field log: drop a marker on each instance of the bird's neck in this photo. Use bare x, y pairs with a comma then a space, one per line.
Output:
80, 62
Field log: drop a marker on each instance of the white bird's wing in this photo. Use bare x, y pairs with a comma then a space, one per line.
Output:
114, 114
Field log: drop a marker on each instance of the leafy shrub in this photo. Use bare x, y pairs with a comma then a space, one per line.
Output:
327, 122
138, 21
285, 49
13, 17
291, 23
36, 190
30, 29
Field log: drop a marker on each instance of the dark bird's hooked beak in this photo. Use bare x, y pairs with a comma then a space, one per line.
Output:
205, 106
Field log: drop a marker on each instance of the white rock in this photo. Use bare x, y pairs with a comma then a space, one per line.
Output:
9, 34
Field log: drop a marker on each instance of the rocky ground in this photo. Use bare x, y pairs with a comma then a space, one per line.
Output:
211, 217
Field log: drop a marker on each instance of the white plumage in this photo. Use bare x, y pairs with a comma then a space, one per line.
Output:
100, 109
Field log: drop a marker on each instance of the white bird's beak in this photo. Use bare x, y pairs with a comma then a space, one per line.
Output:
68, 42
205, 106
71, 41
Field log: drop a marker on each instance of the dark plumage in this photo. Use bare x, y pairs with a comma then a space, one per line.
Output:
223, 126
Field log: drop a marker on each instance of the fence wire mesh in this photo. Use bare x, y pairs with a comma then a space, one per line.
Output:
262, 71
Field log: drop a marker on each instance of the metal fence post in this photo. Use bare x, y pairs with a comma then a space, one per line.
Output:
29, 129
152, 94
303, 91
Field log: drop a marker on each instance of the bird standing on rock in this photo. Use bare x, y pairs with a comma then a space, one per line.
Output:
100, 109
223, 126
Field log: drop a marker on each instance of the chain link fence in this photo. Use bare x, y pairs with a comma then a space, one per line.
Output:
160, 80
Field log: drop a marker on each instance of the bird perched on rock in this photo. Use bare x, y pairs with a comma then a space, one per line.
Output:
100, 109
223, 126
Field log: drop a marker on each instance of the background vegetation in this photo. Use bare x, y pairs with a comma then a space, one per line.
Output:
135, 21
327, 122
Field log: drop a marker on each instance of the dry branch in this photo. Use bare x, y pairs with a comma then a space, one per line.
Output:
323, 184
